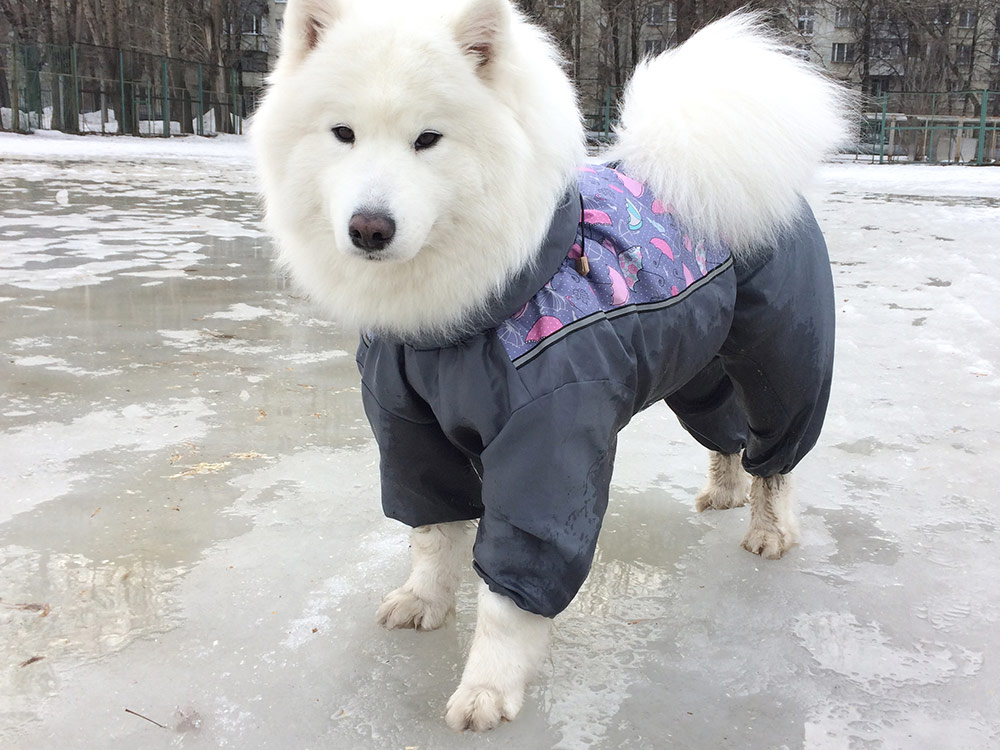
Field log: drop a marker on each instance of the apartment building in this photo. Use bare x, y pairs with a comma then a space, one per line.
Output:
894, 46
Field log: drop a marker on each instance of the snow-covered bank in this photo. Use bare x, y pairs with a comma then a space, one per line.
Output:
912, 179
45, 144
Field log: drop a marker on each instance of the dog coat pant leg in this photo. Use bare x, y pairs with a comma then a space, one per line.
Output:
708, 408
779, 353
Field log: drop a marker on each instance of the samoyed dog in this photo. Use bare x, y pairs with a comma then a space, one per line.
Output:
424, 171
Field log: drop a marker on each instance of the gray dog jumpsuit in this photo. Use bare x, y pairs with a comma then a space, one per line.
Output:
515, 422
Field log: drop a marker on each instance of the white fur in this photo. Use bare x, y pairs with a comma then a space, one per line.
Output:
438, 555
471, 211
729, 128
774, 529
509, 644
727, 483
507, 650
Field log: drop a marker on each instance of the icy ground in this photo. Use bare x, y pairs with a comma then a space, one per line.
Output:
190, 527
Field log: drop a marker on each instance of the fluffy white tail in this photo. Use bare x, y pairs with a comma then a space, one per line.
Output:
729, 128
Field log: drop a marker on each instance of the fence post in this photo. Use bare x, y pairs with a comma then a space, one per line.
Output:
15, 98
120, 116
76, 89
166, 102
885, 114
981, 148
607, 112
201, 102
932, 150
237, 109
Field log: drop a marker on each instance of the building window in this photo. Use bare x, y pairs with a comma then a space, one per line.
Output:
887, 48
253, 25
940, 16
654, 14
963, 54
843, 52
557, 3
844, 18
672, 12
806, 17
881, 85
654, 47
967, 18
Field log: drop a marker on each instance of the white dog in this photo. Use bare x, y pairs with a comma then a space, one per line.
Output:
421, 165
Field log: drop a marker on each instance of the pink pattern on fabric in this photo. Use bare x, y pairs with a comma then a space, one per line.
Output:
631, 263
546, 326
688, 277
619, 289
593, 216
662, 246
635, 259
633, 186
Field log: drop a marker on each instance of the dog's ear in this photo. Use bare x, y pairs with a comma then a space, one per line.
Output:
480, 29
305, 21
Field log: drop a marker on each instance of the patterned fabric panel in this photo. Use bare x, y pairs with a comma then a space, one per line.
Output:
638, 258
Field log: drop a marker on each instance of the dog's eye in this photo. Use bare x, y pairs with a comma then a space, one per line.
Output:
343, 134
427, 139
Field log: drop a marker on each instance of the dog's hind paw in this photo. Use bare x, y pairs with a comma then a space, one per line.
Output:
404, 609
727, 483
770, 543
719, 498
480, 708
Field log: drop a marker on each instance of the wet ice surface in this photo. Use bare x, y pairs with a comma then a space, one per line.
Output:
190, 525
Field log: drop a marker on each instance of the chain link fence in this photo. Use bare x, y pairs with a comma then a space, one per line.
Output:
90, 89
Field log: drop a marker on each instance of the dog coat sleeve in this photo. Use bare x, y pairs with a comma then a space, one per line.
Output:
545, 490
425, 478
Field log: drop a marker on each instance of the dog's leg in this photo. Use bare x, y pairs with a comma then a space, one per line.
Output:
508, 648
773, 526
727, 483
428, 596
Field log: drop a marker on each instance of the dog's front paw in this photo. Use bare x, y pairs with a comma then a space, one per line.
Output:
770, 542
404, 609
481, 708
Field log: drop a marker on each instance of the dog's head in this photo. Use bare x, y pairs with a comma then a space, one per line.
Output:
397, 144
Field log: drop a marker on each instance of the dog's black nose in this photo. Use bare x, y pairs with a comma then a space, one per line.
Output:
371, 231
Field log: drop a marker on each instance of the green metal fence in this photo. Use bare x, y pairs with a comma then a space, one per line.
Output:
957, 127
90, 89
